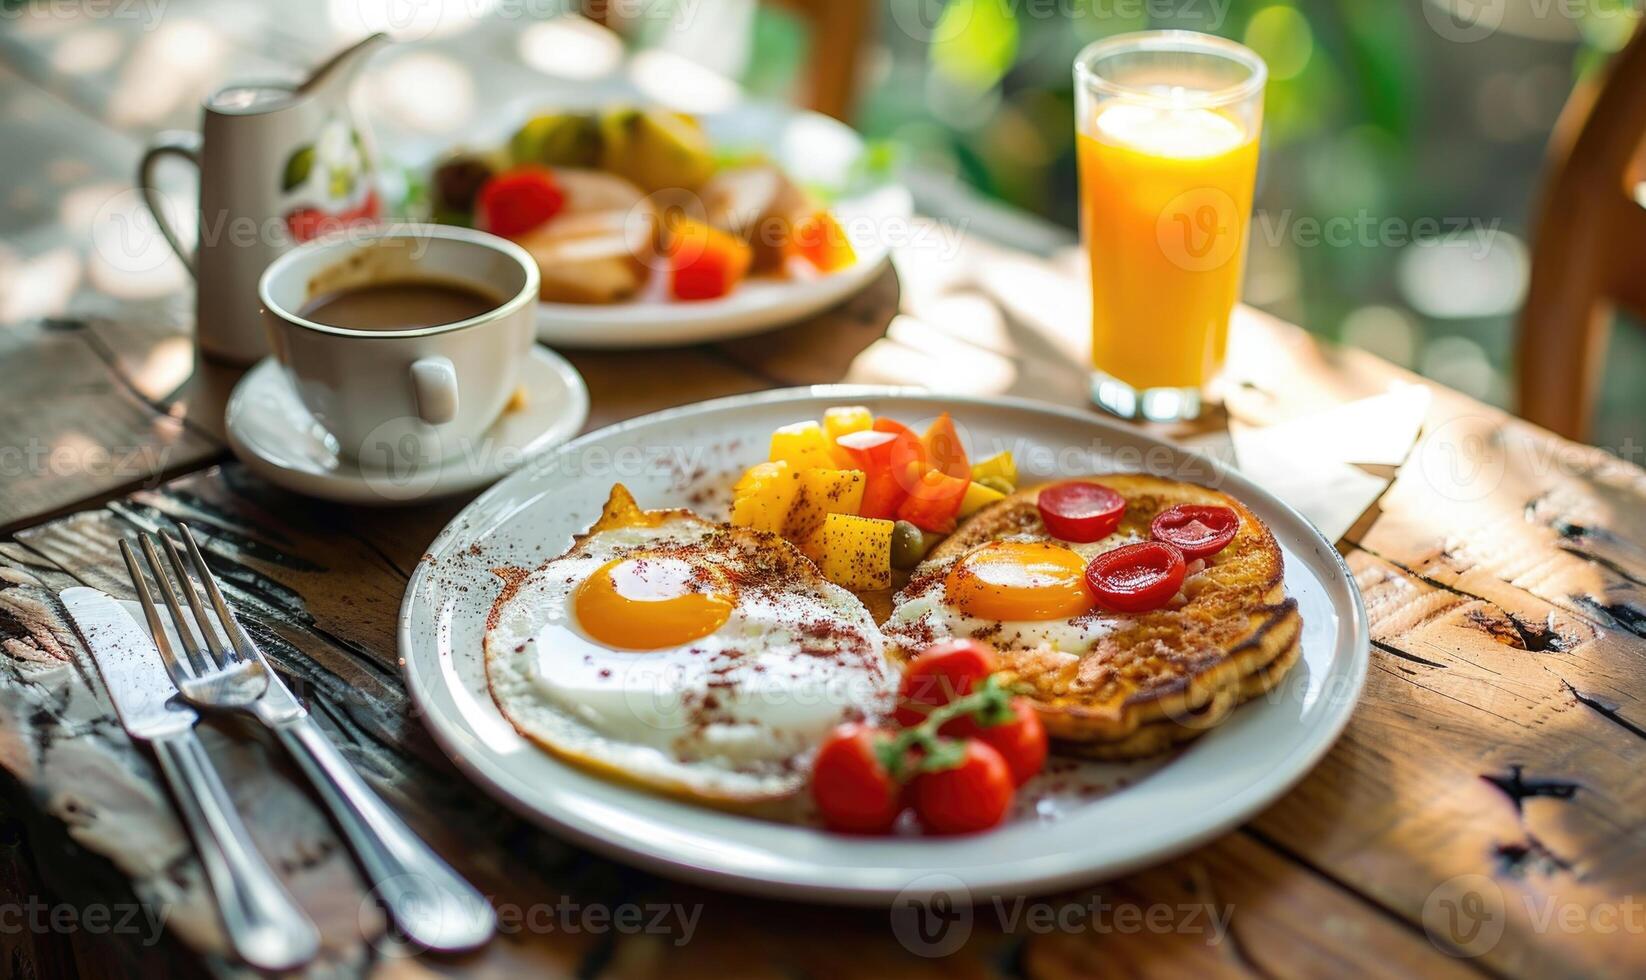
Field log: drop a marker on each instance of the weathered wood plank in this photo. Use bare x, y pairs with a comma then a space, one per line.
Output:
1469, 756
300, 564
75, 428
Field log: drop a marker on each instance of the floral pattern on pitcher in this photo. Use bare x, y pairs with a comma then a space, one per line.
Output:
335, 171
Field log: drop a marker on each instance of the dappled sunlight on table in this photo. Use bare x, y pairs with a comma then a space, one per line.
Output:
571, 47
167, 70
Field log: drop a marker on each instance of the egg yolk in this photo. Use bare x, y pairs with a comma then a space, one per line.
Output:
648, 602
1015, 581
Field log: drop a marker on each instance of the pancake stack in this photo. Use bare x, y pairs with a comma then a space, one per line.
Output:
1151, 680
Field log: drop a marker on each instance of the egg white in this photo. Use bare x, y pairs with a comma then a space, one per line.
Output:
732, 716
924, 609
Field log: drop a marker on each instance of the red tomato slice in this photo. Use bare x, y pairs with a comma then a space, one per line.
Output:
1081, 512
906, 456
1197, 531
1021, 741
853, 790
945, 671
871, 452
970, 797
515, 202
1136, 578
933, 502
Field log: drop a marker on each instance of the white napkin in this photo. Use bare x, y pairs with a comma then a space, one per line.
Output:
1308, 462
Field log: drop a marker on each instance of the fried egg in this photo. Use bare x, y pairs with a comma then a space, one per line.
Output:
1020, 591
705, 660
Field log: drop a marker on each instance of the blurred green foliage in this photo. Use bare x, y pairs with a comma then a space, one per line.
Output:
1379, 114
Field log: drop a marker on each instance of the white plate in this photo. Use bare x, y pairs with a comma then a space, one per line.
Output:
1062, 833
814, 150
275, 436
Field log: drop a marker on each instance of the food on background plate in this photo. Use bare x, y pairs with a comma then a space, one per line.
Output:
601, 199
700, 659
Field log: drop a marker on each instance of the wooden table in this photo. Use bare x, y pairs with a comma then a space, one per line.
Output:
1488, 798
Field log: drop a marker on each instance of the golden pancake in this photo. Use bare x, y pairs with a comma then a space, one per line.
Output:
1120, 684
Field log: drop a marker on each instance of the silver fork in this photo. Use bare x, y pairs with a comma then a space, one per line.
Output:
432, 905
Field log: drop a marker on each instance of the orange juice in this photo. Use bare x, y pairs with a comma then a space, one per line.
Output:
1165, 200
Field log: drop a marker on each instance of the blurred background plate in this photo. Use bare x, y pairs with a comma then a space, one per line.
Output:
820, 154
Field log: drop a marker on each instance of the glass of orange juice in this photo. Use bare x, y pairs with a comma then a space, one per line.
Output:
1167, 127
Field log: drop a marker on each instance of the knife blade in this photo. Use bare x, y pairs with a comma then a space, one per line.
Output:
264, 925
135, 676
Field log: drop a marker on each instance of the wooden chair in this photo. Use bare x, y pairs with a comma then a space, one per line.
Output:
1588, 245
834, 54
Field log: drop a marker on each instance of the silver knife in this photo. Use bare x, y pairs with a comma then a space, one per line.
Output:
264, 925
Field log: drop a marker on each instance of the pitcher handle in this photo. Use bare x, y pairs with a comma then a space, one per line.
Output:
179, 144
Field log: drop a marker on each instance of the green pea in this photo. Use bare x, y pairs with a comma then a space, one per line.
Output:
997, 484
908, 545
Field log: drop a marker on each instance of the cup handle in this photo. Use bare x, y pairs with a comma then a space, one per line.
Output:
180, 144
434, 385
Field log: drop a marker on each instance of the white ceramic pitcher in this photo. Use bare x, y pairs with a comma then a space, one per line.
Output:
279, 164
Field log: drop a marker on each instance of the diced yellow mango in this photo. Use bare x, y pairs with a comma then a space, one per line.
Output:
803, 445
857, 552
978, 497
845, 419
764, 496
823, 492
840, 421
999, 465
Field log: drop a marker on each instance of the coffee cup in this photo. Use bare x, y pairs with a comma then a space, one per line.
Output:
404, 342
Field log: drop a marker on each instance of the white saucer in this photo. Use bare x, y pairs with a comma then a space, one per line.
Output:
276, 437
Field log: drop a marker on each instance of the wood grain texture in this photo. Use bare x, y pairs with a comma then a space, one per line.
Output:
1498, 746
1486, 800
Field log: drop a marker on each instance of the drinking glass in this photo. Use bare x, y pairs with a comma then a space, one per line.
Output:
1167, 127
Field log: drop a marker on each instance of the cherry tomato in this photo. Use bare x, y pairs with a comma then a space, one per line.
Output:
1021, 741
970, 797
515, 202
1081, 511
1136, 578
854, 792
945, 671
1197, 531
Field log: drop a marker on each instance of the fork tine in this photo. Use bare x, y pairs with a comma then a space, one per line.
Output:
197, 657
231, 625
224, 653
179, 669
